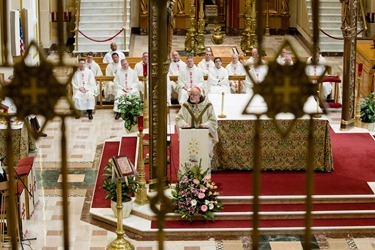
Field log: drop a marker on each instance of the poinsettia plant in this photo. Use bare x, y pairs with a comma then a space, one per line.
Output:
130, 106
196, 193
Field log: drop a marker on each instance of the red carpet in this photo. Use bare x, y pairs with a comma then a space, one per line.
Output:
351, 154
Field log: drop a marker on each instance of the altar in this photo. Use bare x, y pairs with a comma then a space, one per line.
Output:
236, 138
20, 141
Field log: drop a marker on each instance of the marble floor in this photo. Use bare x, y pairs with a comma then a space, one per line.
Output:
86, 138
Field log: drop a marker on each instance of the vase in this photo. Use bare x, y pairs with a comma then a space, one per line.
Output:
369, 126
127, 207
133, 129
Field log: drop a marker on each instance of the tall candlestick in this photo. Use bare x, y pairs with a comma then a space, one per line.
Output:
222, 106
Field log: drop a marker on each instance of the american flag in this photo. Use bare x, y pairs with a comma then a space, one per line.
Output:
22, 45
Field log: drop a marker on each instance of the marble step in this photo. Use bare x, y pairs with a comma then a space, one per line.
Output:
103, 11
101, 4
101, 25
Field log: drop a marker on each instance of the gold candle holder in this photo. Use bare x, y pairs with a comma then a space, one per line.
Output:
141, 195
357, 117
120, 242
222, 115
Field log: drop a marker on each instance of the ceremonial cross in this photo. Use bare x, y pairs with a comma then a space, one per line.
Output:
33, 91
287, 89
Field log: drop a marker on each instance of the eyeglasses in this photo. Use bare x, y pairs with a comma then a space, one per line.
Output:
194, 94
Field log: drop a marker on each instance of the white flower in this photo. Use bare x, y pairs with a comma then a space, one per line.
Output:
210, 206
194, 202
206, 202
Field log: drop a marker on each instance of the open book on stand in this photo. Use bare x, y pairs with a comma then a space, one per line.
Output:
124, 167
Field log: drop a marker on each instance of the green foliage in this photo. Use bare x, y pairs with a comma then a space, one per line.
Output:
130, 106
110, 187
368, 109
195, 194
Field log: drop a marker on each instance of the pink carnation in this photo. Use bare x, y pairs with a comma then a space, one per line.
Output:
204, 208
201, 195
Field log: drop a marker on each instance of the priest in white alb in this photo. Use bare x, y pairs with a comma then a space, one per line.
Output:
84, 88
217, 81
111, 70
126, 83
189, 77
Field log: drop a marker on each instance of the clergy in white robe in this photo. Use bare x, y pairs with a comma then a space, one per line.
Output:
217, 81
189, 77
108, 57
111, 70
198, 112
175, 67
284, 58
84, 89
92, 65
257, 72
141, 69
319, 70
235, 68
126, 83
206, 64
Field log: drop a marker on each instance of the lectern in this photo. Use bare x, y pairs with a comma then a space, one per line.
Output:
195, 146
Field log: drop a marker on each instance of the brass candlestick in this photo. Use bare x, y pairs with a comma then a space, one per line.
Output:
120, 242
267, 19
222, 115
145, 102
357, 118
317, 115
141, 195
190, 43
201, 48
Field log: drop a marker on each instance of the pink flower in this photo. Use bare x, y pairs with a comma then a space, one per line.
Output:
204, 208
201, 195
196, 181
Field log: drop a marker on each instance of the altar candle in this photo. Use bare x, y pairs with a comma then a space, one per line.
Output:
65, 16
360, 69
140, 123
222, 102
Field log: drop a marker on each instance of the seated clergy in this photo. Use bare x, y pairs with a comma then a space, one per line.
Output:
141, 69
126, 83
189, 77
84, 88
198, 112
206, 64
92, 65
236, 68
217, 81
111, 70
319, 70
174, 70
108, 56
258, 72
284, 58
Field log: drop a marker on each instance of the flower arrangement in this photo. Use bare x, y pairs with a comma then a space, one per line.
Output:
196, 194
128, 187
130, 106
368, 108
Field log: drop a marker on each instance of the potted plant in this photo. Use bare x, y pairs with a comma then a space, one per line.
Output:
130, 106
368, 112
128, 189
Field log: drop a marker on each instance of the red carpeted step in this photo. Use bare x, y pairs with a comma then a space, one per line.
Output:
264, 223
299, 207
128, 147
110, 149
